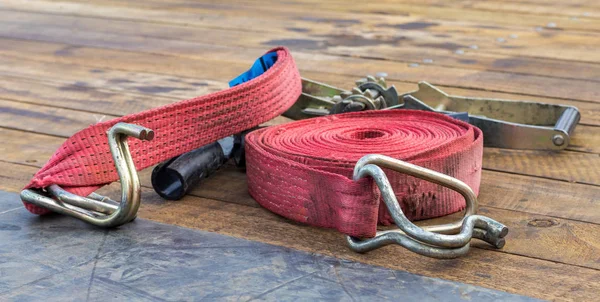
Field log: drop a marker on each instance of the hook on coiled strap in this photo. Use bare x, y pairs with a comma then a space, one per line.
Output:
95, 208
439, 241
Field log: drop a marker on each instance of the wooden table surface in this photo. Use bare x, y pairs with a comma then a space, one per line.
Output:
66, 65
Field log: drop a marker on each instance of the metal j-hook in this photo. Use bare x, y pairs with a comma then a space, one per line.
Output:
97, 209
439, 241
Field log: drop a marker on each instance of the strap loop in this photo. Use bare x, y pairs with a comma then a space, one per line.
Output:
84, 162
97, 209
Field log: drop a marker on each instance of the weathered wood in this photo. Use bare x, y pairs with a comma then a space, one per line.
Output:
540, 196
451, 11
169, 12
496, 270
557, 9
581, 168
499, 190
565, 165
487, 269
65, 65
467, 78
117, 100
86, 86
99, 75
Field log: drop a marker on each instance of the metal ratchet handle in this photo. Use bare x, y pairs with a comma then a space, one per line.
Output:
566, 123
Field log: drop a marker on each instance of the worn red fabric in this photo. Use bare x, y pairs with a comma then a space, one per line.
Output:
84, 163
303, 170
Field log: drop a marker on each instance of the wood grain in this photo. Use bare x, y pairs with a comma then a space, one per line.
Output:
491, 269
168, 12
157, 39
66, 65
568, 166
93, 66
499, 190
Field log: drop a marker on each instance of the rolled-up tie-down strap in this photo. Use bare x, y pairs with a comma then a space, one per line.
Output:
303, 170
313, 171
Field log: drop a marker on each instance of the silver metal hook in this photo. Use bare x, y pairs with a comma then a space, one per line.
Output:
97, 209
439, 241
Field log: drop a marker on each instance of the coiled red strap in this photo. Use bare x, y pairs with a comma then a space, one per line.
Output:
303, 170
84, 163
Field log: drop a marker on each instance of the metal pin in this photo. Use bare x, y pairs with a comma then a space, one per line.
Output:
558, 140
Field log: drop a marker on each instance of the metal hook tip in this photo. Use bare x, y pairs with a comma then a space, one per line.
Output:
503, 232
146, 134
500, 243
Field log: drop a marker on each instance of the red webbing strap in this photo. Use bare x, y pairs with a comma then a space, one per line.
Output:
84, 163
303, 170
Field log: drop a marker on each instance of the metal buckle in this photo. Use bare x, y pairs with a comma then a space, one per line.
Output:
318, 99
505, 123
438, 241
97, 209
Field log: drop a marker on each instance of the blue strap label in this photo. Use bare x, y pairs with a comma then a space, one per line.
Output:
259, 67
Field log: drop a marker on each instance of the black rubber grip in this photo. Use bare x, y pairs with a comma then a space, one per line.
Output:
174, 178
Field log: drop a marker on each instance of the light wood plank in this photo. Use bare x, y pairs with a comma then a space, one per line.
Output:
466, 78
485, 268
500, 190
415, 10
99, 59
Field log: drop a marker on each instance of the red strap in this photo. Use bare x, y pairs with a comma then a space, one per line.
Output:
303, 170
84, 163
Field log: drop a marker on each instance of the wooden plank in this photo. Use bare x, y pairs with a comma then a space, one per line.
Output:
528, 232
538, 236
485, 268
568, 166
416, 45
466, 78
56, 117
557, 9
99, 75
131, 89
540, 196
499, 190
581, 167
163, 65
46, 120
170, 12
550, 10
451, 11
127, 92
